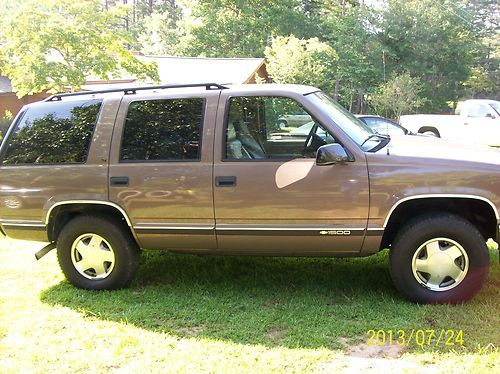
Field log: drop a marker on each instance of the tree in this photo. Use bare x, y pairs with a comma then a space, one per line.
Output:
485, 74
5, 122
345, 26
161, 34
481, 82
293, 60
235, 28
433, 40
143, 19
400, 95
53, 44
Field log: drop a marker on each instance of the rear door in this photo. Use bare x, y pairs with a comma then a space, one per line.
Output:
161, 168
270, 196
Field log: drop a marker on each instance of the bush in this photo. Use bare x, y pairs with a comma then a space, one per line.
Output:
400, 95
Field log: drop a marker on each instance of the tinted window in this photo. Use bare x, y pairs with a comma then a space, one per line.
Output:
268, 127
57, 132
163, 130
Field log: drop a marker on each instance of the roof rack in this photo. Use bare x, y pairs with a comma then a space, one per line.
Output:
133, 90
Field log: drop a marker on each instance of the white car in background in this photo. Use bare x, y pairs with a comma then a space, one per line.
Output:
475, 121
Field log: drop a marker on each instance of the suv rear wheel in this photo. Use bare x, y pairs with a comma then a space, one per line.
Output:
439, 259
96, 253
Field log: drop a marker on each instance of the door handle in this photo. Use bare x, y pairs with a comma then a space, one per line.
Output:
118, 181
225, 181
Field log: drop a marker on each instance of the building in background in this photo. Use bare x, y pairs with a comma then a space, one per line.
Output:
172, 70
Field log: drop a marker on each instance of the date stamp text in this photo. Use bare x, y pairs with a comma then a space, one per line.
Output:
420, 337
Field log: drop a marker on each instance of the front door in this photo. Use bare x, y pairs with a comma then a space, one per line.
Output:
270, 196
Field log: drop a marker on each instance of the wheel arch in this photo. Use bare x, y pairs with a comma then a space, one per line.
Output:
62, 212
478, 210
433, 129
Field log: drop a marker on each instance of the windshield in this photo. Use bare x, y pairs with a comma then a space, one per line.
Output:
356, 129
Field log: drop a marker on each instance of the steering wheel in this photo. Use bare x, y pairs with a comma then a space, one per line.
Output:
309, 138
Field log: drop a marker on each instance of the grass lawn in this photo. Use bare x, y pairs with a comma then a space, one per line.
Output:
235, 314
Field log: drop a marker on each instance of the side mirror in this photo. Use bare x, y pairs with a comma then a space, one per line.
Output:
489, 115
332, 154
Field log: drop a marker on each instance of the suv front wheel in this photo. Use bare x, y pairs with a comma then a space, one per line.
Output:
96, 253
439, 259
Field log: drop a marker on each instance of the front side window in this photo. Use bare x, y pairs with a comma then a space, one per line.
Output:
267, 127
52, 133
163, 130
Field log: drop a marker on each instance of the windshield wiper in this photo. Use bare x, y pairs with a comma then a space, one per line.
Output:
384, 140
372, 136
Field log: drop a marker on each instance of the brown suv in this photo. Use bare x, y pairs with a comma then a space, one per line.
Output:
208, 169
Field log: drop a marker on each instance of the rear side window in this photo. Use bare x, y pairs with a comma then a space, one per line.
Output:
163, 130
53, 133
478, 111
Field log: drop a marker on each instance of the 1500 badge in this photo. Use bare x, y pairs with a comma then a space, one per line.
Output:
335, 232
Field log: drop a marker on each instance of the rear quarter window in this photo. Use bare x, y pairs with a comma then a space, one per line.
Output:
53, 133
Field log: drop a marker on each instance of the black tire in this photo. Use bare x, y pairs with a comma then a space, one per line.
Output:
114, 248
282, 123
413, 253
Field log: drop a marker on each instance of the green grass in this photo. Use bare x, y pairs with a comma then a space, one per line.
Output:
231, 314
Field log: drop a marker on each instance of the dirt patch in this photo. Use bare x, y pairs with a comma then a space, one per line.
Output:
375, 351
276, 335
190, 331
364, 350
371, 359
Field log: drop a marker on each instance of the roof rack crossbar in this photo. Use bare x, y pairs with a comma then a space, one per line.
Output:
133, 90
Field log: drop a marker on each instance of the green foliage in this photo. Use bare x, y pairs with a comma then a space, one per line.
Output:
293, 60
53, 44
484, 80
345, 28
160, 35
5, 122
400, 95
431, 39
481, 82
153, 25
486, 16
235, 28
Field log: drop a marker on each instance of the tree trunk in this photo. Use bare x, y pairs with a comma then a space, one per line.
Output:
336, 93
